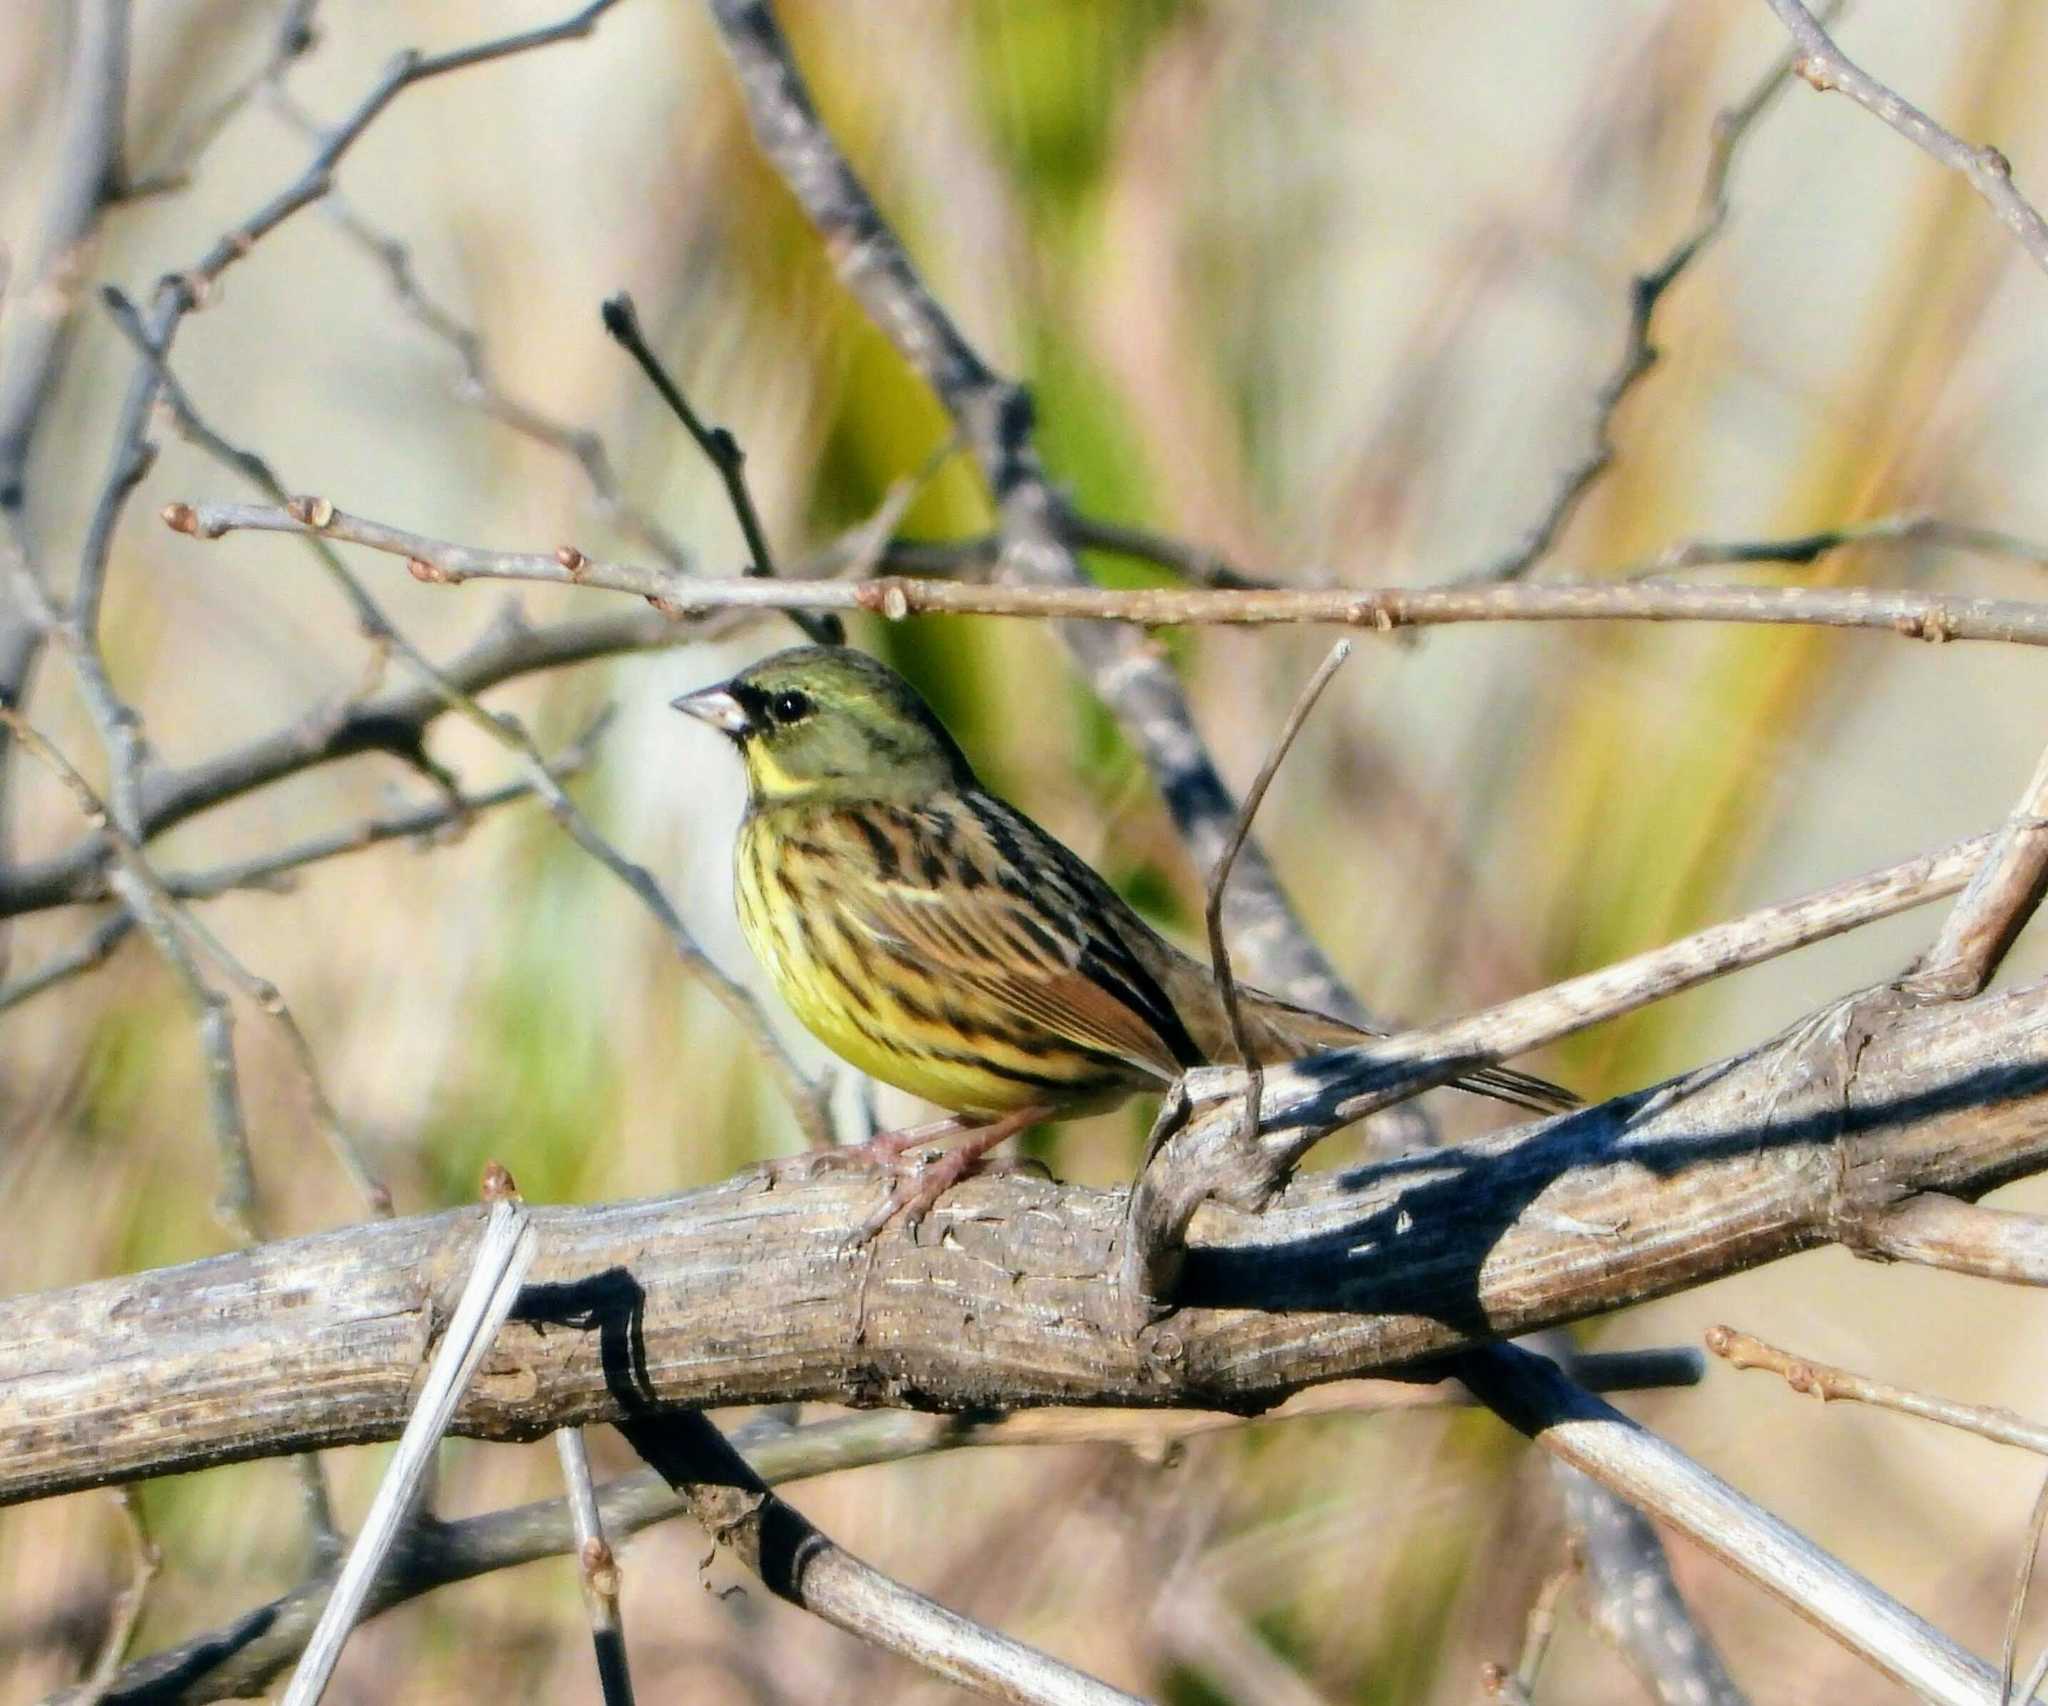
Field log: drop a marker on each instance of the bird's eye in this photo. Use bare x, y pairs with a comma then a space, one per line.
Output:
790, 706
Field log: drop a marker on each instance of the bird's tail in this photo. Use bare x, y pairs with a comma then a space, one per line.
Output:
1279, 1031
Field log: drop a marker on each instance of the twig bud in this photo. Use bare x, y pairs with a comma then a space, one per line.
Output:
498, 1184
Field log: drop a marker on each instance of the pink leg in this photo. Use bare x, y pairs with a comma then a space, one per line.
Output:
917, 1188
884, 1149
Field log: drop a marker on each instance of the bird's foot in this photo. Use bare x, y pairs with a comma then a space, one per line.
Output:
917, 1184
886, 1150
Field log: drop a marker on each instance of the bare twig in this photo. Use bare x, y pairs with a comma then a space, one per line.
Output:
1205, 1158
181, 292
1911, 528
804, 1097
242, 1658
135, 883
1212, 911
721, 450
85, 180
1911, 615
1825, 1382
1517, 1685
1529, 1393
1632, 1598
95, 950
2022, 1581
392, 722
797, 1562
993, 417
1822, 64
1639, 353
292, 39
1965, 1238
504, 1252
480, 385
1997, 905
598, 1570
128, 1603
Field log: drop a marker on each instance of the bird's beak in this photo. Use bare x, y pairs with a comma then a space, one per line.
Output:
720, 707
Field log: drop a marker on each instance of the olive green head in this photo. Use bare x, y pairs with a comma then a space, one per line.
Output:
830, 723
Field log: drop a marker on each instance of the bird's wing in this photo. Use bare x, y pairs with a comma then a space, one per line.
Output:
1014, 931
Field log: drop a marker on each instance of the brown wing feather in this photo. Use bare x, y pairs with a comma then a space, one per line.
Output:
1280, 1031
989, 904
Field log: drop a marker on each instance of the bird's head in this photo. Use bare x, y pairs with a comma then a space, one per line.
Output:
830, 723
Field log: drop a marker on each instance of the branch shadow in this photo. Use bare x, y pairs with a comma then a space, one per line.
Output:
1468, 1202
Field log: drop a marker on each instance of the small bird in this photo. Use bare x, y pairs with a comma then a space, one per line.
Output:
942, 942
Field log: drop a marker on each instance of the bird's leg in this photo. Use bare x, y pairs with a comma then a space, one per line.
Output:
884, 1149
919, 1186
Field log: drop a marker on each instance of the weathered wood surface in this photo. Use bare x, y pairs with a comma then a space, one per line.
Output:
744, 1292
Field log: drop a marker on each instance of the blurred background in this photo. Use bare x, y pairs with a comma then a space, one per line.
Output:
1329, 288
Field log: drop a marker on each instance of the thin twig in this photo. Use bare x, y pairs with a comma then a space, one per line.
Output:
1996, 907
1825, 1382
1212, 911
135, 883
720, 449
273, 871
97, 948
128, 1603
1205, 1157
803, 1096
598, 1570
797, 1562
1911, 528
480, 385
1823, 65
241, 1659
1533, 1397
1909, 615
1639, 353
394, 722
269, 999
1517, 1687
293, 38
504, 1252
2022, 1581
994, 418
83, 181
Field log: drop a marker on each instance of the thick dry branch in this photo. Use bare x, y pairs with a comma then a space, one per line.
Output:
742, 1293
1200, 1156
1824, 65
1911, 615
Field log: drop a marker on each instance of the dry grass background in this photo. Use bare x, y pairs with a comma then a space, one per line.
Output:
1328, 287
